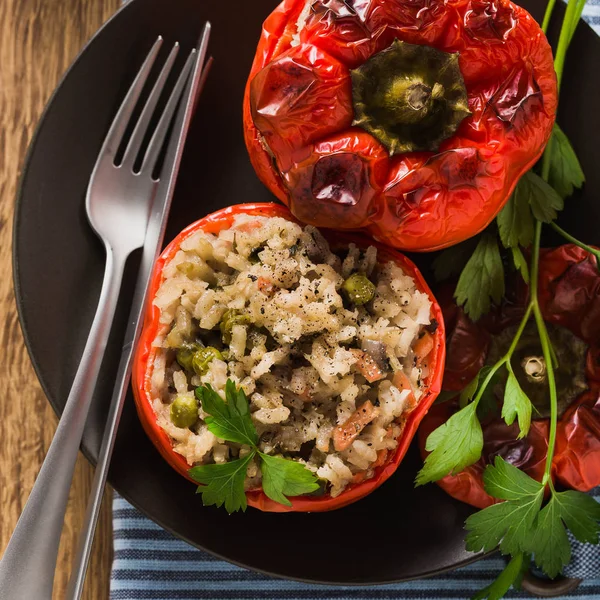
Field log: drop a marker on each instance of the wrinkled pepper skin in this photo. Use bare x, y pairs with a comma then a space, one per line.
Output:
569, 296
298, 117
145, 353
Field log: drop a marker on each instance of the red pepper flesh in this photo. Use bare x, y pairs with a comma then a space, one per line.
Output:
299, 115
569, 296
145, 352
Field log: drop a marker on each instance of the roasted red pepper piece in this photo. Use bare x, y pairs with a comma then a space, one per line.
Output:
327, 123
569, 297
144, 361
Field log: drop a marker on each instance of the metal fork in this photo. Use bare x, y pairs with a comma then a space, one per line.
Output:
118, 203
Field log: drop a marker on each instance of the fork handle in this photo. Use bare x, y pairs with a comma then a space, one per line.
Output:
27, 567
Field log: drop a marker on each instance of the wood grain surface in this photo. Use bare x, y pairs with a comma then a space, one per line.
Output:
38, 40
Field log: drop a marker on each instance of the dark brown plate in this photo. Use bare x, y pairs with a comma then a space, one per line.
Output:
398, 532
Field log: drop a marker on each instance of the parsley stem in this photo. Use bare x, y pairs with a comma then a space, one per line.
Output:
488, 378
522, 325
553, 353
505, 360
548, 15
545, 342
535, 264
575, 241
578, 10
569, 24
566, 33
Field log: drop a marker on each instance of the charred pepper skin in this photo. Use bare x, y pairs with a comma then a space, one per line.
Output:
143, 365
312, 145
569, 298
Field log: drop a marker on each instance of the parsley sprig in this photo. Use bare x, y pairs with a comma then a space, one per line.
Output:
223, 483
532, 520
458, 443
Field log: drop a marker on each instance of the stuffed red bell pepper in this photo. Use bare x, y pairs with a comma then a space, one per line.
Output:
410, 119
569, 297
296, 371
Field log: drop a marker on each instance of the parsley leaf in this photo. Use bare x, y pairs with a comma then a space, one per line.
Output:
515, 223
471, 388
516, 405
509, 523
543, 198
510, 576
445, 396
229, 421
505, 482
581, 514
482, 279
520, 524
549, 541
454, 445
520, 263
223, 483
515, 226
450, 262
566, 173
281, 478
488, 404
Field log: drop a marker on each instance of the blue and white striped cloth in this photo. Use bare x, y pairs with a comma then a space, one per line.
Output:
591, 14
151, 564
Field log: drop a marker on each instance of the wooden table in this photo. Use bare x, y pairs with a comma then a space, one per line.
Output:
38, 41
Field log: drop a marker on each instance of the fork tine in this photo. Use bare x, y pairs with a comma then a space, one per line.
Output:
158, 137
119, 125
133, 146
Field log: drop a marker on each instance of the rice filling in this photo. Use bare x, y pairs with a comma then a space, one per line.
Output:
327, 345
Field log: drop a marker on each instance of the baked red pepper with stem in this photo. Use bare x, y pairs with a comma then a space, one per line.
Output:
410, 119
569, 298
145, 353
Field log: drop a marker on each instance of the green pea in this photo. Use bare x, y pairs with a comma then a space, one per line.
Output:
359, 289
184, 411
203, 357
185, 355
230, 318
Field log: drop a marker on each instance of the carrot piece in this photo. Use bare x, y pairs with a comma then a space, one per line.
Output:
402, 382
367, 366
249, 226
358, 477
423, 347
381, 458
344, 435
265, 286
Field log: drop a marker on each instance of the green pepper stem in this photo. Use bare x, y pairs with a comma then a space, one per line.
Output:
411, 97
